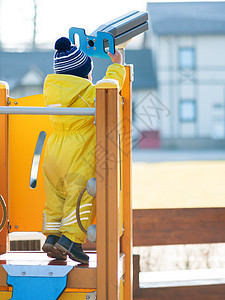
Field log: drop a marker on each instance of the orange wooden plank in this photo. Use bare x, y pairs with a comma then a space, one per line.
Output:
3, 161
80, 277
113, 193
101, 192
107, 171
127, 169
178, 226
3, 277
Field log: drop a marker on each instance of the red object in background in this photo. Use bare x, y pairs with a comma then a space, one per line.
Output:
150, 140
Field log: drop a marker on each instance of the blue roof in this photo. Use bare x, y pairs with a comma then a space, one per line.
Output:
187, 18
14, 65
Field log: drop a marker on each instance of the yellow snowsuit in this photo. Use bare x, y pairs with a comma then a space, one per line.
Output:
69, 160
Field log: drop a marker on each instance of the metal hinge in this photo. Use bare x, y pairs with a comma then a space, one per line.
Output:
122, 102
131, 71
91, 296
9, 226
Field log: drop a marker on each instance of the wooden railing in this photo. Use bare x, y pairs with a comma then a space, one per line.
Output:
153, 227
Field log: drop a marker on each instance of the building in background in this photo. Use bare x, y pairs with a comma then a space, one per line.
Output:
179, 76
25, 71
188, 42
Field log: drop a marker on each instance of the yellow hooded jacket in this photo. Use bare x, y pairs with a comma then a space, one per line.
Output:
69, 160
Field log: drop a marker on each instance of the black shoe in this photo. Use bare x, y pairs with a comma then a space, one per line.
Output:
66, 247
50, 250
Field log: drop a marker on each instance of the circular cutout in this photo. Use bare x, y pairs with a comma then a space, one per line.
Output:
91, 43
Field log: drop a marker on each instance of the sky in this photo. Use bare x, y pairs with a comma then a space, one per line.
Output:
55, 17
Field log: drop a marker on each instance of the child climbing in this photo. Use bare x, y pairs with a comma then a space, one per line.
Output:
69, 148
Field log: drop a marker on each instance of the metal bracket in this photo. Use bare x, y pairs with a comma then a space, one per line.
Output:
37, 282
93, 45
114, 33
131, 71
91, 296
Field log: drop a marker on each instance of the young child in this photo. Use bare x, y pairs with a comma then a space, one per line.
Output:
69, 148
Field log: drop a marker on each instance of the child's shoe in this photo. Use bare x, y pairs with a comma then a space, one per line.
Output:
48, 247
66, 247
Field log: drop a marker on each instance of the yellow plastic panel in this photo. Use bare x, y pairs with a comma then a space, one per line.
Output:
25, 204
5, 295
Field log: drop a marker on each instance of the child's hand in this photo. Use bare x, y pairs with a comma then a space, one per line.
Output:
116, 58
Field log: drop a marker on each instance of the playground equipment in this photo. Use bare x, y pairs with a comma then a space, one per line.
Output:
113, 224
111, 34
22, 121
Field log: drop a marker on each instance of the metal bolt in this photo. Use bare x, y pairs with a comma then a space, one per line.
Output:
87, 39
94, 48
87, 297
23, 273
15, 102
88, 47
50, 273
16, 226
93, 40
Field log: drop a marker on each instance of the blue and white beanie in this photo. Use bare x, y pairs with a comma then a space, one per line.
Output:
70, 60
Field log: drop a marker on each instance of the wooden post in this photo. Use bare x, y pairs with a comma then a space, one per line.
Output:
108, 244
127, 237
3, 160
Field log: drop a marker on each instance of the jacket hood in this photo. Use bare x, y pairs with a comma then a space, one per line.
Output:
63, 90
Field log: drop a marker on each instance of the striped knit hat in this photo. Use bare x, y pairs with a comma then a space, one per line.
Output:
71, 60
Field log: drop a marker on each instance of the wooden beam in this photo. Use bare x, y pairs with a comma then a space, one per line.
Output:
136, 271
3, 161
127, 238
108, 246
101, 193
200, 292
112, 195
82, 278
203, 292
3, 275
178, 226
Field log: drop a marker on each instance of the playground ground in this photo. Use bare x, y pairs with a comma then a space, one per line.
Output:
178, 179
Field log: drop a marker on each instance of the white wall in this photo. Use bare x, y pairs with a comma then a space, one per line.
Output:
205, 84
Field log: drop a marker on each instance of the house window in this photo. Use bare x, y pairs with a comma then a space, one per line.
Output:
187, 111
186, 58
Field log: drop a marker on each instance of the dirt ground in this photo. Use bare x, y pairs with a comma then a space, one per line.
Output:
178, 184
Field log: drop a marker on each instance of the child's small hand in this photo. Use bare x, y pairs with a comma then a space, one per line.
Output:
116, 58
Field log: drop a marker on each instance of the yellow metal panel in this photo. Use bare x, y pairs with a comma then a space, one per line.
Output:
5, 295
25, 204
5, 292
73, 296
121, 295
